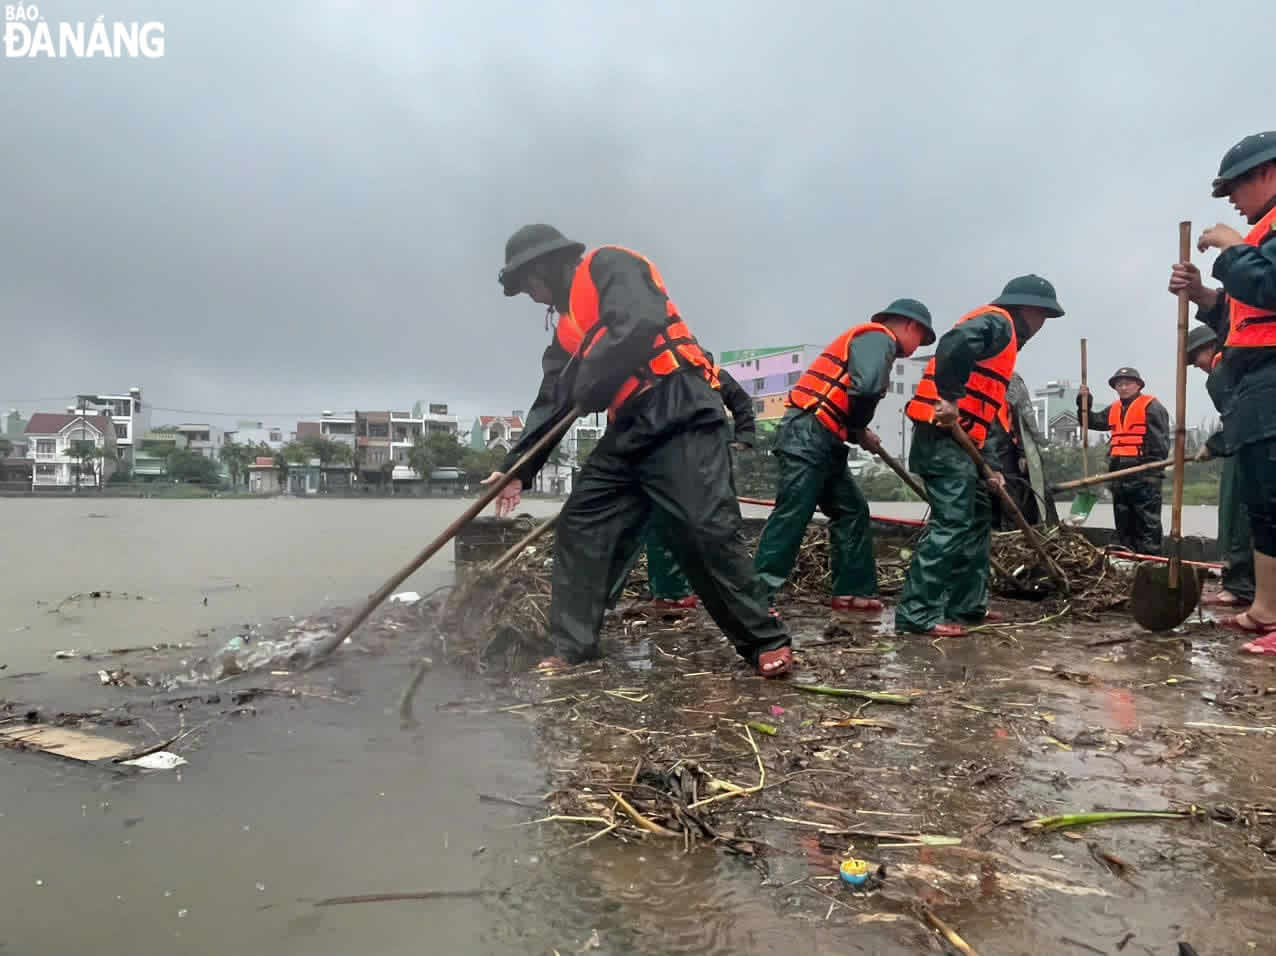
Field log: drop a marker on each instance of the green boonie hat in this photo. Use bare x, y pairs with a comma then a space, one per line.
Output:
527, 245
910, 309
1126, 371
1198, 338
1030, 290
1250, 152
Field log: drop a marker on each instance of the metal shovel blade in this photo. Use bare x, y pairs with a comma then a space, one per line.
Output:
1157, 606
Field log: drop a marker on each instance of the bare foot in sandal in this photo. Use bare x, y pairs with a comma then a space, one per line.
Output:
775, 663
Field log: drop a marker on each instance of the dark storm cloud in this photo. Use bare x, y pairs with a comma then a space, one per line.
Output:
304, 206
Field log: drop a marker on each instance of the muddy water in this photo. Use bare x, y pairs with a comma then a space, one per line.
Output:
312, 798
305, 800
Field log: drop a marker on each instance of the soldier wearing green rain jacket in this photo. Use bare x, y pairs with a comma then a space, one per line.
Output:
832, 403
1234, 544
964, 386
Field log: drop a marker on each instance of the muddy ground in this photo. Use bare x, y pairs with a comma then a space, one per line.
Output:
691, 806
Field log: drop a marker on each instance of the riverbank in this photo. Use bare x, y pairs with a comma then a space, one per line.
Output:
339, 798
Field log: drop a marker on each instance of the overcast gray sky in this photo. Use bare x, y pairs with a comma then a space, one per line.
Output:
304, 205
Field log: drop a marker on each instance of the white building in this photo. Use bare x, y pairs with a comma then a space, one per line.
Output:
256, 434
406, 428
130, 418
207, 440
50, 439
556, 477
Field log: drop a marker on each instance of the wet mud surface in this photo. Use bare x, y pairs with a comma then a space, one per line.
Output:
752, 791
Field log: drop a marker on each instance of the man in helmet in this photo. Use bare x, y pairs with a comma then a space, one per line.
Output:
831, 404
964, 386
620, 345
1243, 314
1234, 543
1140, 429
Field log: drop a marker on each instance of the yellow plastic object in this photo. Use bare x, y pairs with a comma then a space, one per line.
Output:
854, 872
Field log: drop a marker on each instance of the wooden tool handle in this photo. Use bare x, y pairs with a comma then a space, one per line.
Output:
1085, 420
517, 547
1012, 509
1180, 411
329, 644
894, 465
1112, 475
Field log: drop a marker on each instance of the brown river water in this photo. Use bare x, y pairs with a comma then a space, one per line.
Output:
315, 798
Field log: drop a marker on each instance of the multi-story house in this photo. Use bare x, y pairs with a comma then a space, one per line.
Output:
1055, 405
496, 431
130, 418
51, 437
768, 374
374, 448
204, 439
331, 426
256, 434
150, 457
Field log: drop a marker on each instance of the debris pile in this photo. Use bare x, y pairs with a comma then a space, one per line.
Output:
505, 616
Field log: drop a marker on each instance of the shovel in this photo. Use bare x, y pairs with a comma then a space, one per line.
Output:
1083, 503
1165, 594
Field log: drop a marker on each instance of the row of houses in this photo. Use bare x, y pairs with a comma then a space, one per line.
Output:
48, 451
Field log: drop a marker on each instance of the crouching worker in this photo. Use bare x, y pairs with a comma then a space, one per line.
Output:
620, 345
831, 404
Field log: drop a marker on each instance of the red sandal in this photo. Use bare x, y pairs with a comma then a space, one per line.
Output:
1264, 645
947, 630
775, 663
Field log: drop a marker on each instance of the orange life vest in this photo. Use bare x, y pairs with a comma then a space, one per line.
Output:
825, 388
1129, 428
1003, 416
985, 389
1250, 326
672, 350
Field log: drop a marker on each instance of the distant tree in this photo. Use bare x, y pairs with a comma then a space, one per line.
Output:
87, 454
165, 429
236, 458
186, 465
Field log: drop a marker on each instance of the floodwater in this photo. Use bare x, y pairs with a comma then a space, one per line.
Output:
304, 798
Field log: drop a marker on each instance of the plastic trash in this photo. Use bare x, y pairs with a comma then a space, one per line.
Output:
405, 597
160, 760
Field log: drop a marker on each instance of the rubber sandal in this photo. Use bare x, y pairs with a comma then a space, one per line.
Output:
781, 656
947, 630
855, 603
553, 664
1264, 645
1234, 622
992, 617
